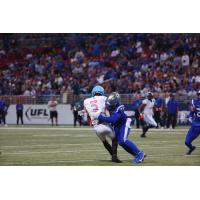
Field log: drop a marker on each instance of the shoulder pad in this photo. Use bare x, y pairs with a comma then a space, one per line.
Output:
120, 108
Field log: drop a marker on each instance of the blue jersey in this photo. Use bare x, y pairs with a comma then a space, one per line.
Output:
121, 125
2, 105
159, 102
195, 114
19, 106
117, 118
172, 106
136, 104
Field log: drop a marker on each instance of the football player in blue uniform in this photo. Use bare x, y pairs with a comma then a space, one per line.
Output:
121, 124
194, 118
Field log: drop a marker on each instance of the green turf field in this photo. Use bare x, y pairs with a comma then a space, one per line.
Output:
36, 146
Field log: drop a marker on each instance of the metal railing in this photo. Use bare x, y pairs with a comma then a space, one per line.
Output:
68, 98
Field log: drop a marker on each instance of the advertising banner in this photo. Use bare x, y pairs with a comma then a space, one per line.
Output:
39, 114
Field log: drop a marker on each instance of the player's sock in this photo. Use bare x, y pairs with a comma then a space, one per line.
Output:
108, 147
189, 145
130, 147
144, 130
114, 151
191, 150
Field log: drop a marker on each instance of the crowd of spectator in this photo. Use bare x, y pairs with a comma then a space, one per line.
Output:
127, 63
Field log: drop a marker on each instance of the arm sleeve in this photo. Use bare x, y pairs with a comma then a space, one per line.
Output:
191, 114
112, 119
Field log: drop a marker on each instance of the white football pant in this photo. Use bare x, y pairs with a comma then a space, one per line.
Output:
150, 120
103, 130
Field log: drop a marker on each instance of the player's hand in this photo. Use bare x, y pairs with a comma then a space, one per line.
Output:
81, 112
141, 117
190, 119
96, 115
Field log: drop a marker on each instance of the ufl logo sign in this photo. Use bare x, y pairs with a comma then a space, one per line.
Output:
36, 113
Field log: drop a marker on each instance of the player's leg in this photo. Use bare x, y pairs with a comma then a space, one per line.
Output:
149, 123
80, 120
56, 117
17, 118
102, 136
137, 119
164, 119
4, 117
169, 118
1, 116
114, 151
51, 117
192, 134
110, 133
174, 119
152, 122
156, 116
129, 145
22, 121
75, 118
159, 119
123, 140
145, 126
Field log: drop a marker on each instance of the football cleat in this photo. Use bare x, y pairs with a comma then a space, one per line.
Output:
191, 150
143, 135
115, 159
140, 157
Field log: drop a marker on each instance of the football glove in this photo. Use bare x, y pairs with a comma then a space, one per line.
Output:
190, 119
141, 117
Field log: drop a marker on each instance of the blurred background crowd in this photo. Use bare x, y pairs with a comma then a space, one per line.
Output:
52, 64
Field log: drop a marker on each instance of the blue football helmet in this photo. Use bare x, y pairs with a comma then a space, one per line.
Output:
98, 90
198, 93
113, 100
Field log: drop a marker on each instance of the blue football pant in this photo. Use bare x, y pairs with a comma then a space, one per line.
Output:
192, 134
122, 139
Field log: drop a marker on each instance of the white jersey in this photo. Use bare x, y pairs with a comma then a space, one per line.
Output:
93, 105
148, 109
52, 105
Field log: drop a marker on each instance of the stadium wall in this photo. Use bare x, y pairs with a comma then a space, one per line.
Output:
39, 114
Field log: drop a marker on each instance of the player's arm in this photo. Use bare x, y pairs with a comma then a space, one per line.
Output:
141, 108
48, 105
82, 112
192, 112
191, 115
112, 119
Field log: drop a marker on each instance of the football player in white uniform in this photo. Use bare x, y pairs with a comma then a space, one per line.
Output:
94, 105
146, 113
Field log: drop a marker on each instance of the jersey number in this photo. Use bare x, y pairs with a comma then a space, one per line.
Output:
94, 105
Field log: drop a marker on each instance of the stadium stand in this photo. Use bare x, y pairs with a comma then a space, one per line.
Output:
55, 64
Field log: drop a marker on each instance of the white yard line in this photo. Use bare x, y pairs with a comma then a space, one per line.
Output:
84, 129
75, 144
82, 150
100, 160
51, 145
